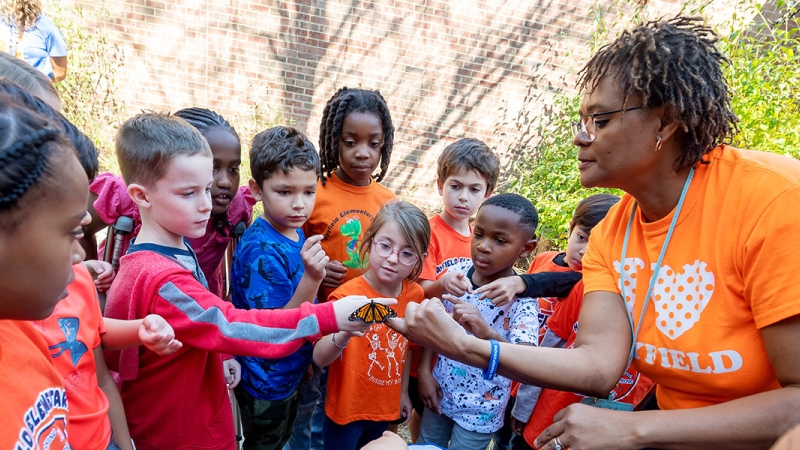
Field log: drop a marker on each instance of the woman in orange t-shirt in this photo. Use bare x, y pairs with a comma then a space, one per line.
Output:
694, 258
368, 381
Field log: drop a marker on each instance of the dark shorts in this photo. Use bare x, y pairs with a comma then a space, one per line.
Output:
267, 424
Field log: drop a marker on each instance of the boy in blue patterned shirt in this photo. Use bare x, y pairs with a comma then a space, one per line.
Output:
274, 267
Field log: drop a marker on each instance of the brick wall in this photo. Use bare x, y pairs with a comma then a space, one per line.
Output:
446, 67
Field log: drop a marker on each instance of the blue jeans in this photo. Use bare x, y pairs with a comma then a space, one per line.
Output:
442, 430
307, 433
351, 436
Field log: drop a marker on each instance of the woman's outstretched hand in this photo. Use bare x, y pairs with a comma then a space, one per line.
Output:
429, 325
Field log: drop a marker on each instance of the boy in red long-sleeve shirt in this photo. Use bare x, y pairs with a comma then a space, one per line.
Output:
180, 401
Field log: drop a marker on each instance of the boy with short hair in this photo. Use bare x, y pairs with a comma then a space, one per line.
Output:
180, 401
471, 406
276, 267
467, 172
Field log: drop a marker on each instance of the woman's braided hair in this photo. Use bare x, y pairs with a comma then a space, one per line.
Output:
22, 13
26, 147
676, 64
204, 119
344, 102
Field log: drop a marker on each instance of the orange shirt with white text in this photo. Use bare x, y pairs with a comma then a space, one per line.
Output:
72, 333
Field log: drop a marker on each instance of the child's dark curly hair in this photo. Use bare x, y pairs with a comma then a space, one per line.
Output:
31, 149
676, 64
204, 119
343, 103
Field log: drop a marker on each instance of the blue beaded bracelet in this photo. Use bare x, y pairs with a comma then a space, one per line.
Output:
494, 360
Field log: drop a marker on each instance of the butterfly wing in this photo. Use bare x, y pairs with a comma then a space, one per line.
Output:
360, 313
383, 312
373, 313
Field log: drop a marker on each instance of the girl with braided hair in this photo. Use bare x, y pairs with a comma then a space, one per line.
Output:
77, 333
356, 136
42, 207
689, 275
231, 204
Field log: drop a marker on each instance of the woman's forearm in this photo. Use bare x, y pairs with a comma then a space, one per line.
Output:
750, 422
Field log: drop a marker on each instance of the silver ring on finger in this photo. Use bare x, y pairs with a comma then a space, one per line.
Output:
557, 441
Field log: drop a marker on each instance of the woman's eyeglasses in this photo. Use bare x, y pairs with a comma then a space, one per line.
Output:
586, 127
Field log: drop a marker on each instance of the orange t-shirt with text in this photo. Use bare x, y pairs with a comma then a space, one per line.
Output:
366, 382
342, 214
72, 333
35, 404
727, 273
447, 248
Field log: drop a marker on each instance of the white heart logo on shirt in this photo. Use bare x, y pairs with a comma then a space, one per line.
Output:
680, 298
632, 266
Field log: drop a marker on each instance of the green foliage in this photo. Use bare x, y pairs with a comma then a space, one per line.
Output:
765, 84
550, 176
89, 96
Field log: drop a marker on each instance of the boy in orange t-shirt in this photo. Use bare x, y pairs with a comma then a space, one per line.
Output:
467, 172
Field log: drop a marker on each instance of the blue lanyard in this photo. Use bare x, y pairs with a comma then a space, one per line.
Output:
656, 269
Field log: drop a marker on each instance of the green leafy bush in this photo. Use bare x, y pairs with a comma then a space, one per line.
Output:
89, 95
764, 77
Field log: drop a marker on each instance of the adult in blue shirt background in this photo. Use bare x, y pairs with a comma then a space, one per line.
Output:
32, 37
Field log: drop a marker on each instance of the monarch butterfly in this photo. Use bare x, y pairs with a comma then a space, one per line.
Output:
373, 313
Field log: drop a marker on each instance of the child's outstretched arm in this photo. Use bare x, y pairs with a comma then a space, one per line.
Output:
541, 284
330, 347
455, 283
203, 320
314, 262
116, 413
153, 332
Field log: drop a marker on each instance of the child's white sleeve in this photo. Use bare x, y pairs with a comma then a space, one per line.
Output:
524, 322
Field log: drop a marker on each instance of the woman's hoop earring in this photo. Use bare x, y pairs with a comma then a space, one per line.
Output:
658, 143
